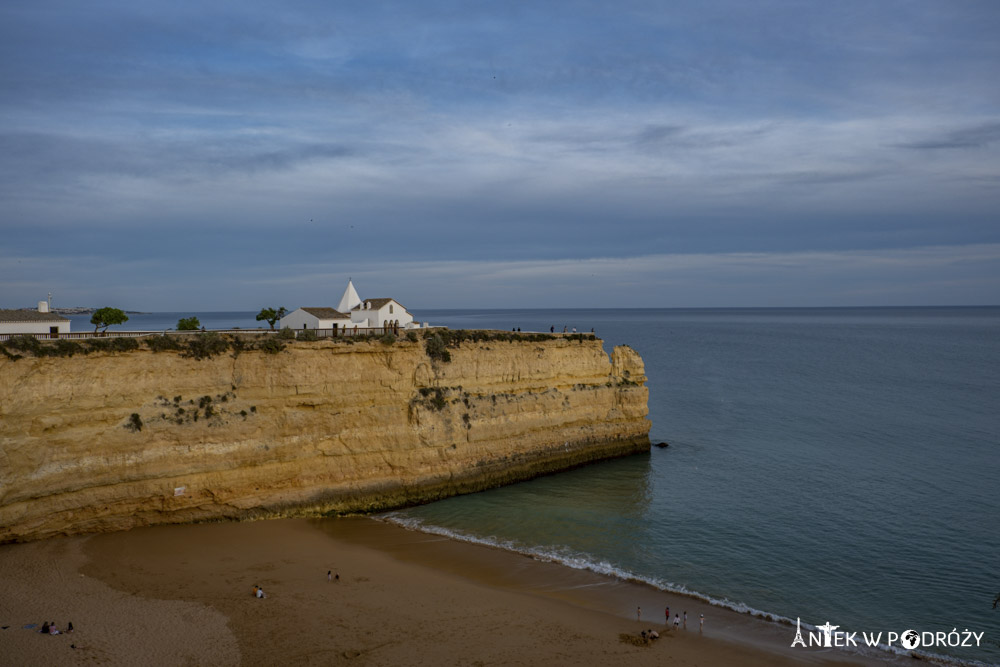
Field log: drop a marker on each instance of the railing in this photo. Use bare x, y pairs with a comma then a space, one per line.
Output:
340, 332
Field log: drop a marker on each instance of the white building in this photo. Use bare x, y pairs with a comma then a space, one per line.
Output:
315, 318
386, 313
41, 321
353, 312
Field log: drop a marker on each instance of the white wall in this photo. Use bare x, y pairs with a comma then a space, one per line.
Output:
297, 318
375, 317
33, 327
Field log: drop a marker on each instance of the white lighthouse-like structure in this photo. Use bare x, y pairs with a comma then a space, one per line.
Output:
350, 298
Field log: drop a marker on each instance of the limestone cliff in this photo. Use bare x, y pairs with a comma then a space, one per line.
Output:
112, 441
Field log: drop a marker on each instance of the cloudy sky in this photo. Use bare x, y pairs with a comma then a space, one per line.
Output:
229, 155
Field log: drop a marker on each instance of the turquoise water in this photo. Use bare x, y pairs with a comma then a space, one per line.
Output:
828, 464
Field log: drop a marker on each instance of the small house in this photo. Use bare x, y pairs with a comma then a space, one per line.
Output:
41, 321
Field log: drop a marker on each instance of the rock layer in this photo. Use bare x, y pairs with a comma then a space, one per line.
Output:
112, 441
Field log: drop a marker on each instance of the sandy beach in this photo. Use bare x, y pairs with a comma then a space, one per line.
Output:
181, 595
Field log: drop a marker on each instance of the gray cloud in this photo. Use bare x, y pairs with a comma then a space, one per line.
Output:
978, 136
42, 157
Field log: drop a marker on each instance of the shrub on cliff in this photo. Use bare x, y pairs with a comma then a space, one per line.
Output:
134, 423
388, 339
112, 344
238, 345
163, 343
10, 355
307, 335
438, 402
436, 348
26, 344
205, 346
286, 334
271, 345
60, 348
66, 348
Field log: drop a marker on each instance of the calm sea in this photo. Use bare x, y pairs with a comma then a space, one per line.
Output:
837, 465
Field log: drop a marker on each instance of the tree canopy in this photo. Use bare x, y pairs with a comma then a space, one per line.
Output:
105, 317
188, 324
271, 315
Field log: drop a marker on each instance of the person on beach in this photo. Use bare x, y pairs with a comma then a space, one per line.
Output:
677, 621
701, 623
45, 628
638, 614
260, 593
668, 614
685, 620
329, 576
69, 628
255, 589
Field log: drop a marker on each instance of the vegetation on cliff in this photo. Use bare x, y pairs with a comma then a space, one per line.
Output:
437, 342
64, 348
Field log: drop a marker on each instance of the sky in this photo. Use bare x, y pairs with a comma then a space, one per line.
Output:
172, 156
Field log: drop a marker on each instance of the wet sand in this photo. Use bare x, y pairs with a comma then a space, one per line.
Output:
181, 595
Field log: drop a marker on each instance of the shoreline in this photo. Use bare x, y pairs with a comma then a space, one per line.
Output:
609, 595
750, 626
180, 594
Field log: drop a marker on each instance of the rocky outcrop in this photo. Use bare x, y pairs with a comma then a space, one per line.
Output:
112, 441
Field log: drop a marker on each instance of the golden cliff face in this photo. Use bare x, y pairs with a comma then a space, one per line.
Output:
319, 427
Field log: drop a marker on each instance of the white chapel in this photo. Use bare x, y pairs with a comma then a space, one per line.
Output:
352, 313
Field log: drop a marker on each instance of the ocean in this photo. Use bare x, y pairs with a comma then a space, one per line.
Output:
836, 465
833, 465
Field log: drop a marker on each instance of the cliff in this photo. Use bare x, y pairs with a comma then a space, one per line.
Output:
109, 441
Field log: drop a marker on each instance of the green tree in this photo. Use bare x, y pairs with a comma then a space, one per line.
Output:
271, 315
188, 324
105, 317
